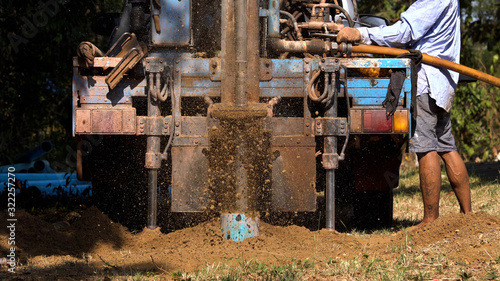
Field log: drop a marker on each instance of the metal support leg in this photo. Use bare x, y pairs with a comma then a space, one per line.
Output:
152, 198
153, 163
330, 191
330, 161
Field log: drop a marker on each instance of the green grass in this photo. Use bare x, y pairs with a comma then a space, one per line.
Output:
408, 198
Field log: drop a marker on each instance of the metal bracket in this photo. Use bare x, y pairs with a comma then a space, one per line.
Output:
330, 161
153, 126
215, 69
110, 121
266, 70
330, 65
131, 51
128, 62
331, 126
153, 160
154, 64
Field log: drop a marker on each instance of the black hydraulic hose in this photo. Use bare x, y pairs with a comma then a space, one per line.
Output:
311, 91
346, 95
294, 22
164, 155
326, 87
331, 91
310, 86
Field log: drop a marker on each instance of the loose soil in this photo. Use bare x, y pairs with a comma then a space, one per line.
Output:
88, 244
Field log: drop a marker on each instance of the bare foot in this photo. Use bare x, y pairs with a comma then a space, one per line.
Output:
422, 224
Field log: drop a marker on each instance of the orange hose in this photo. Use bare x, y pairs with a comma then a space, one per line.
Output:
431, 60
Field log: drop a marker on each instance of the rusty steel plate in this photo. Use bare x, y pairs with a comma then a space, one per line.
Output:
190, 187
105, 121
82, 121
293, 179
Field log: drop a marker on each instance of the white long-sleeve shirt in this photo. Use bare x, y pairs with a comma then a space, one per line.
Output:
433, 27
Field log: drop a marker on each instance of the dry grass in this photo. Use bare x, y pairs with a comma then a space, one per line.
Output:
408, 198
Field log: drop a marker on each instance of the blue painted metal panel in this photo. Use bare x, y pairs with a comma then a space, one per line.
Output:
371, 91
368, 83
175, 21
200, 92
95, 90
288, 68
314, 63
359, 93
379, 63
370, 101
283, 92
280, 83
195, 67
198, 82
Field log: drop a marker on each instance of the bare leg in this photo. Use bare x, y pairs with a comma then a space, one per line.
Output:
430, 185
459, 179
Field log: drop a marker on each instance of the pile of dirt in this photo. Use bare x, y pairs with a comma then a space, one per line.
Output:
91, 231
474, 238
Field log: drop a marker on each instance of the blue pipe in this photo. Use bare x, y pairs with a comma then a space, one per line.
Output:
53, 191
54, 182
49, 183
35, 153
34, 166
37, 176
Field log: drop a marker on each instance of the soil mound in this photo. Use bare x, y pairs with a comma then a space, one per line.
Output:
33, 236
473, 238
94, 229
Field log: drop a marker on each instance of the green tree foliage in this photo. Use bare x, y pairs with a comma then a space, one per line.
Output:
475, 113
475, 117
38, 41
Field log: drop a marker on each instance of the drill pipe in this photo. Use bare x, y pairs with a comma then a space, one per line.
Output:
240, 15
252, 80
228, 53
430, 60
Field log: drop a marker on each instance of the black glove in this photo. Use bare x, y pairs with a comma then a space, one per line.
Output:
396, 84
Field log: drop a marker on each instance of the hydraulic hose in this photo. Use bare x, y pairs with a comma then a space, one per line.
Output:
312, 92
430, 60
329, 5
294, 22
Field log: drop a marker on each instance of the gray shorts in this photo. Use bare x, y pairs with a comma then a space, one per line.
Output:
432, 129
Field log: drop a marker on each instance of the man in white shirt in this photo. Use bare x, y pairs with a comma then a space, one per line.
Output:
432, 27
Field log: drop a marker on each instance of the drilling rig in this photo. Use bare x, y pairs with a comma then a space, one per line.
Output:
240, 108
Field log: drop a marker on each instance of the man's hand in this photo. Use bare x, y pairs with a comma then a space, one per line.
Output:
349, 34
